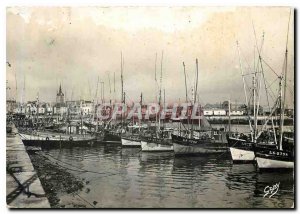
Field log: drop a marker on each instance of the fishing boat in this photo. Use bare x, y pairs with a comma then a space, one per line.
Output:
271, 149
242, 147
275, 158
55, 140
158, 139
199, 145
131, 141
161, 142
112, 136
281, 157
242, 144
112, 133
197, 142
132, 137
156, 145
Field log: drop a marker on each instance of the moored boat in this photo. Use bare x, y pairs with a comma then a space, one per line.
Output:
153, 144
242, 148
193, 146
275, 158
55, 140
111, 136
131, 141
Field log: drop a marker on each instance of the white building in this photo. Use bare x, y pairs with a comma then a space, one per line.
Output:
236, 113
219, 112
214, 112
86, 107
208, 112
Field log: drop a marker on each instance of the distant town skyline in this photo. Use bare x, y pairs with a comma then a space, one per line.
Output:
46, 47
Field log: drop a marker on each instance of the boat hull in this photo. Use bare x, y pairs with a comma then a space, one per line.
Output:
180, 149
242, 151
270, 158
55, 141
127, 142
110, 137
186, 146
267, 163
242, 155
156, 147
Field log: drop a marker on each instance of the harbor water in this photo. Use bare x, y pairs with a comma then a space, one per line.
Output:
116, 177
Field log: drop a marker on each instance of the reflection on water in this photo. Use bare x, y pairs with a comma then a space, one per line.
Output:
128, 177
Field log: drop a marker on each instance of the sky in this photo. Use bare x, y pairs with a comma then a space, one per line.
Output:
49, 46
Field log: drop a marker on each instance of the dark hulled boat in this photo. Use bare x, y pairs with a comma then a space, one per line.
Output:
242, 147
275, 158
55, 140
199, 145
111, 136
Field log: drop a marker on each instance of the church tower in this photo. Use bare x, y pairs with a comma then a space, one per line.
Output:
60, 97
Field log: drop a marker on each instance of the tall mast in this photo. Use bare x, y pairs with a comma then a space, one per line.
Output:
229, 116
196, 89
195, 92
245, 91
141, 103
122, 78
23, 95
109, 89
114, 87
186, 96
156, 85
186, 93
199, 109
16, 85
159, 102
95, 100
261, 76
284, 88
122, 93
254, 105
164, 105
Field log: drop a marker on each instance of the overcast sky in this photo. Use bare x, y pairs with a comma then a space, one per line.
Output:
75, 46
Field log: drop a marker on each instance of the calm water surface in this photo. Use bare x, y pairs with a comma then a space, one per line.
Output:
128, 177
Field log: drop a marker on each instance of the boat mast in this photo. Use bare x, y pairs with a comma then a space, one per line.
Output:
199, 121
164, 106
23, 96
141, 104
186, 93
258, 87
160, 86
254, 105
122, 93
109, 89
229, 116
114, 87
196, 89
96, 106
282, 104
156, 87
16, 85
102, 92
245, 91
195, 93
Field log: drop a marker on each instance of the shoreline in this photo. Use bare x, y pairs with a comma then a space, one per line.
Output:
55, 179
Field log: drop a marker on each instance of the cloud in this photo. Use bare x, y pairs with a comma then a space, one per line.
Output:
74, 46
